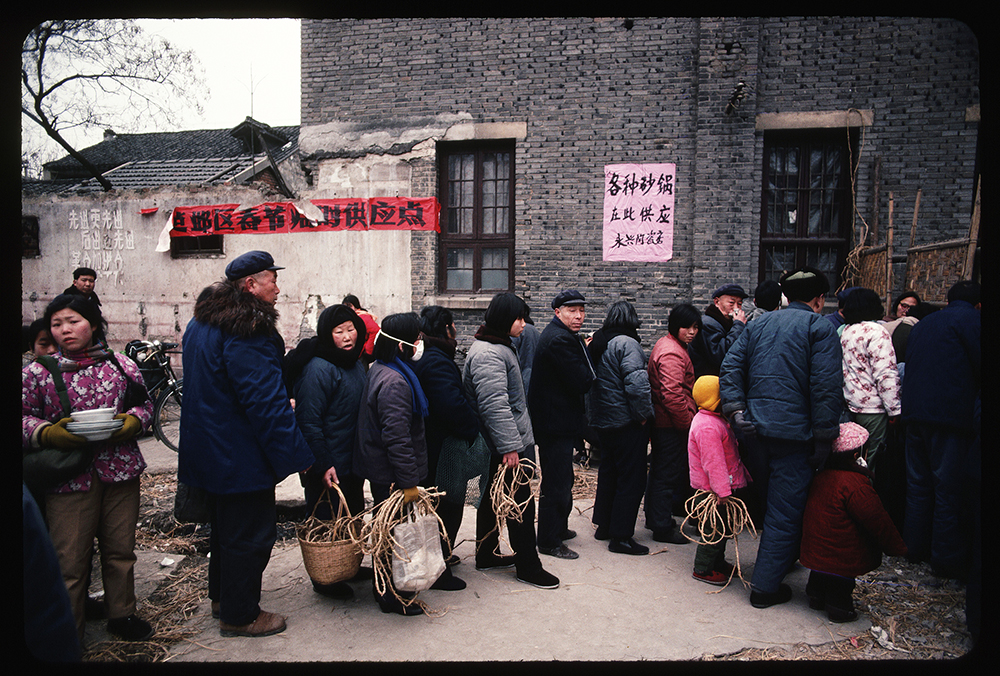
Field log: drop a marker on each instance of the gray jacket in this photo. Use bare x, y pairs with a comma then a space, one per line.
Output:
620, 394
492, 381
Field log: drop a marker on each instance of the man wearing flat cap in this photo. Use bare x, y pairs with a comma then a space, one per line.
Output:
239, 438
561, 375
721, 325
782, 384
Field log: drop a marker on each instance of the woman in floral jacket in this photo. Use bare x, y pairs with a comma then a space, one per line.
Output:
871, 379
102, 502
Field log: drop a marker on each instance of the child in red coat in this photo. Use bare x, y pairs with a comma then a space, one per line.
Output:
715, 466
845, 528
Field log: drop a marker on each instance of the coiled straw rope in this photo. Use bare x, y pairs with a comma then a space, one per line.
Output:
376, 539
502, 494
718, 521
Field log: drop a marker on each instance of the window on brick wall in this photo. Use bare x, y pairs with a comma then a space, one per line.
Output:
193, 247
806, 202
476, 191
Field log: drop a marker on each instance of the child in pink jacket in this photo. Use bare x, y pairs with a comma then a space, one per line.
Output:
715, 466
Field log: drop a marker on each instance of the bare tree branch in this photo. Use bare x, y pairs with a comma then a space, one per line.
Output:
105, 72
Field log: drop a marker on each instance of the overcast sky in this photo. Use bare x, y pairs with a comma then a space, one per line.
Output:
229, 50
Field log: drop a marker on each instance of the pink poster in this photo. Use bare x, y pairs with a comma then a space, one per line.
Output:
639, 212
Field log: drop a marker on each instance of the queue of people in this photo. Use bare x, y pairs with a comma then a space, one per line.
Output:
728, 403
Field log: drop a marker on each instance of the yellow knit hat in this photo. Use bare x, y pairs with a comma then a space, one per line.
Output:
706, 392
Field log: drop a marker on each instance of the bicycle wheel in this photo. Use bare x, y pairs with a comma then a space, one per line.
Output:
167, 415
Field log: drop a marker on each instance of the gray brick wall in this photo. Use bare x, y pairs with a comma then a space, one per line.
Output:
594, 91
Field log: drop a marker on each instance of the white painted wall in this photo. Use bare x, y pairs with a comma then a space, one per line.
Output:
148, 294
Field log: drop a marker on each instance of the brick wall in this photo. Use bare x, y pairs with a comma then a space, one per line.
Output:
596, 91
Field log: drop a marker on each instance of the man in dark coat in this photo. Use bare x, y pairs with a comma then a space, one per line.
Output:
561, 376
722, 323
239, 436
84, 281
941, 385
782, 381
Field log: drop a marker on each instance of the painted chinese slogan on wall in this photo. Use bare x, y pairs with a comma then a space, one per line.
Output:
102, 239
377, 213
639, 212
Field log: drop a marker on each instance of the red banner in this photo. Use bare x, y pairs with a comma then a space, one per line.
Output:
377, 213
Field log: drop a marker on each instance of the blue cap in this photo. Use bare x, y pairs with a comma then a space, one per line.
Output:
568, 297
250, 263
730, 290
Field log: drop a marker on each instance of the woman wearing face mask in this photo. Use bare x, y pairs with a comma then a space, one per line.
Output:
103, 502
328, 377
391, 448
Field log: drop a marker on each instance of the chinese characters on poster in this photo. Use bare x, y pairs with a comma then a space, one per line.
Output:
639, 212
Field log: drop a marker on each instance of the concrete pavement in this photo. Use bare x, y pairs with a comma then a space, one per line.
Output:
608, 607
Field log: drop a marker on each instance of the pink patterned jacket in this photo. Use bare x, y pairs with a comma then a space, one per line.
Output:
97, 386
871, 379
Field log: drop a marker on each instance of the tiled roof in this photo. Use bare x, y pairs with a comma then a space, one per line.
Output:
177, 145
205, 157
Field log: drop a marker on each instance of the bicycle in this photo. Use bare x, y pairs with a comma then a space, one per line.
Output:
165, 389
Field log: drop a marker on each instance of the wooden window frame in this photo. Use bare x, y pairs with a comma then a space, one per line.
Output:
834, 231
477, 241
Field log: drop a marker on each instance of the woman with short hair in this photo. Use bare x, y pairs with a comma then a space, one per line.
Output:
620, 405
671, 379
492, 379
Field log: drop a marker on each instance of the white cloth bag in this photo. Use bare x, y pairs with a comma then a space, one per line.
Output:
417, 561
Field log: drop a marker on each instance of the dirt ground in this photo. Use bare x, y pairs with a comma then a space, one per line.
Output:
915, 616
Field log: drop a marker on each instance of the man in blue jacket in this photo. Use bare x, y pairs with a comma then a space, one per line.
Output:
782, 382
941, 387
239, 437
561, 376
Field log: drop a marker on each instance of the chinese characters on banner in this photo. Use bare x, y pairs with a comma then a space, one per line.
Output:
639, 212
377, 213
103, 238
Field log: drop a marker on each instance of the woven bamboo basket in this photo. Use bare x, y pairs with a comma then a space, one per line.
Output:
329, 553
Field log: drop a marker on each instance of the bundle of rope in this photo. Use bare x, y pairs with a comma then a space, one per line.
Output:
717, 521
376, 538
503, 491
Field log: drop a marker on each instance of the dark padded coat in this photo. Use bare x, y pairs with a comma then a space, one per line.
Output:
238, 431
786, 372
561, 376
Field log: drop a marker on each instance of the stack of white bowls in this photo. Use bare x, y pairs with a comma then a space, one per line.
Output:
94, 425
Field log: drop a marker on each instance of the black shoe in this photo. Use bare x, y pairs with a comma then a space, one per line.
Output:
130, 628
840, 615
390, 604
448, 582
336, 590
493, 562
568, 534
672, 536
560, 552
759, 599
601, 533
629, 546
540, 578
453, 560
93, 609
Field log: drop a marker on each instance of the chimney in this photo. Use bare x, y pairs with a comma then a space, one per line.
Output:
109, 134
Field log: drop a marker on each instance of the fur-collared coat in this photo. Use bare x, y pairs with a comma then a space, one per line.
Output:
238, 431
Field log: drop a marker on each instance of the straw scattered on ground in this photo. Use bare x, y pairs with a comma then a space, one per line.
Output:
915, 616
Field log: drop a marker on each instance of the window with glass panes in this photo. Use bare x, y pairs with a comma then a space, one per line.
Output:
476, 188
806, 202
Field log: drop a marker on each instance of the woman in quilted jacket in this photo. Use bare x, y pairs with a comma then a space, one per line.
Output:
102, 502
871, 378
620, 406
